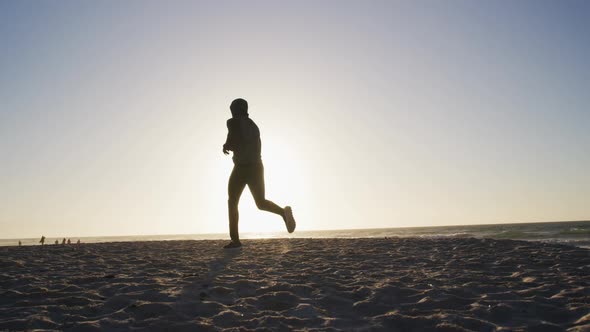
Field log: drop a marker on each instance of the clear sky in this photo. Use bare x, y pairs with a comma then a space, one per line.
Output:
372, 113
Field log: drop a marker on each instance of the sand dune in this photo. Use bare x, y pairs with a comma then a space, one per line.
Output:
399, 284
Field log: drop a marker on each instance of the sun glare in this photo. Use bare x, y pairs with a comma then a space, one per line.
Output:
285, 185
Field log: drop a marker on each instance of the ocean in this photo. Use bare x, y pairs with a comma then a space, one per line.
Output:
576, 233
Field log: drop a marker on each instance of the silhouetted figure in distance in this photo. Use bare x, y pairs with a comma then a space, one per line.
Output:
63, 241
42, 241
243, 138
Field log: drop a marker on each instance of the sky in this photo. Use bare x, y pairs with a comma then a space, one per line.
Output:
372, 113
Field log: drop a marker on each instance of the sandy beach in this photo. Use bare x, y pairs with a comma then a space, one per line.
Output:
395, 284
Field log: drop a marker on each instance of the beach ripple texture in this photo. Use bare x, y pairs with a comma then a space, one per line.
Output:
389, 284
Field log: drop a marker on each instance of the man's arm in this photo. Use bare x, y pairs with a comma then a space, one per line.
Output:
230, 141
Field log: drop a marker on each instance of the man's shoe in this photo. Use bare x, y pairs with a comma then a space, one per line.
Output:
289, 220
232, 245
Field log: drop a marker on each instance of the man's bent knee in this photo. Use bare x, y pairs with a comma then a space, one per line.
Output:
261, 204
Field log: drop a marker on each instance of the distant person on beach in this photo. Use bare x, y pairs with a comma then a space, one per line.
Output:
20, 243
63, 241
78, 241
69, 241
243, 138
42, 241
56, 242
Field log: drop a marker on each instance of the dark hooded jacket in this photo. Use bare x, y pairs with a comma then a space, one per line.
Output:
243, 138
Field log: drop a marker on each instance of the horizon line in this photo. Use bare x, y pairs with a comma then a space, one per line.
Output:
316, 230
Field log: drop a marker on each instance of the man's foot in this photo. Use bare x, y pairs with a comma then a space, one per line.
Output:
232, 244
289, 220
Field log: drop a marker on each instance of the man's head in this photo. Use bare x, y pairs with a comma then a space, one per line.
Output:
239, 107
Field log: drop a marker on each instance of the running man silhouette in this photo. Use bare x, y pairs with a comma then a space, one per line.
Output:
243, 138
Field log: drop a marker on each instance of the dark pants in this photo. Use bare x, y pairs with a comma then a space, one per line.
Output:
253, 176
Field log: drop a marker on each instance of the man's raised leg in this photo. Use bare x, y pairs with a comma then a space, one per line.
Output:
257, 188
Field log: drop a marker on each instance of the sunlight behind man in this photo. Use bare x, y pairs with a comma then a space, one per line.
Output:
286, 181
